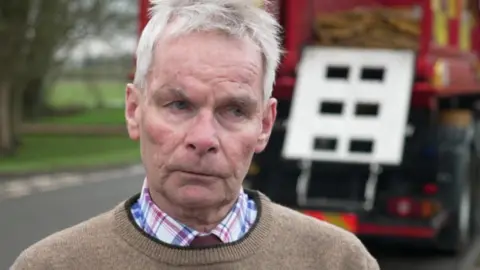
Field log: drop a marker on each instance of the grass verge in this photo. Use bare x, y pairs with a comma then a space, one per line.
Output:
67, 93
107, 116
43, 153
71, 93
53, 153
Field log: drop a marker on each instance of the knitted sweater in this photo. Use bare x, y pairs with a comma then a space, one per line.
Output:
280, 239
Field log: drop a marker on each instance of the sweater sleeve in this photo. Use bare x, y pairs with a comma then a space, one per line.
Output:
355, 256
360, 258
31, 260
372, 264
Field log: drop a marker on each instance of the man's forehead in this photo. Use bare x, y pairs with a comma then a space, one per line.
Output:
179, 61
211, 41
205, 55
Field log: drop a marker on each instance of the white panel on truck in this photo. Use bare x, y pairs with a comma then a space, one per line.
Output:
350, 105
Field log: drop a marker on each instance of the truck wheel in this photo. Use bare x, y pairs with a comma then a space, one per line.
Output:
455, 237
460, 199
475, 178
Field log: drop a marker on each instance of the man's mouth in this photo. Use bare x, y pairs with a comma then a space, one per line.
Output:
199, 174
197, 171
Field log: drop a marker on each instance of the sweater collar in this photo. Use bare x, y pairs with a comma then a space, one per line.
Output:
160, 225
253, 241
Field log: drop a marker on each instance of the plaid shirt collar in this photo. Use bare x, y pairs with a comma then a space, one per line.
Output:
158, 224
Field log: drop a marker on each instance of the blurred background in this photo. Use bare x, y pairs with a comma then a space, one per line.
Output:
64, 69
64, 66
65, 155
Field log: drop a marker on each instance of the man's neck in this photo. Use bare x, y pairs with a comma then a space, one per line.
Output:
200, 219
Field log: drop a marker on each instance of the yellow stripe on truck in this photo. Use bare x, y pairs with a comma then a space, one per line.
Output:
346, 221
465, 32
340, 220
454, 7
440, 10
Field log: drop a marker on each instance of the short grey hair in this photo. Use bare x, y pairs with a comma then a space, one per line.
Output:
240, 18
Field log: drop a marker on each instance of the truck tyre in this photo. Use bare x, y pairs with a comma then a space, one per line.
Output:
455, 236
461, 193
475, 177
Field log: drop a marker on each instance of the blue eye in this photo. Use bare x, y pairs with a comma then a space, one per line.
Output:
236, 111
179, 105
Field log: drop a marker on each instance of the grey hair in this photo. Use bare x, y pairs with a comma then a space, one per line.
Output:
240, 18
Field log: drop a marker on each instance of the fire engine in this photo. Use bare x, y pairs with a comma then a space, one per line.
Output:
378, 128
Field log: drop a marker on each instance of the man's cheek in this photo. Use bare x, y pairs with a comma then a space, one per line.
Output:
249, 142
244, 151
154, 131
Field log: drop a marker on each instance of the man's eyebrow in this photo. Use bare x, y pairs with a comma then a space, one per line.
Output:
172, 91
177, 92
244, 101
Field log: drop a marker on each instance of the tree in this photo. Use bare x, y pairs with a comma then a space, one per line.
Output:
32, 33
14, 17
59, 25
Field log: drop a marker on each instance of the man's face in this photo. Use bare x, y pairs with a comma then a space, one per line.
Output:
201, 118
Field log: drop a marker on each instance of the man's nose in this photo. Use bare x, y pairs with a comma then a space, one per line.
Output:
202, 137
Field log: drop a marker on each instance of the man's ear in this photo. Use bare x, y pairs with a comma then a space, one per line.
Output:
268, 120
132, 111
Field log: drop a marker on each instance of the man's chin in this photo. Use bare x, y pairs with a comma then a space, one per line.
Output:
196, 196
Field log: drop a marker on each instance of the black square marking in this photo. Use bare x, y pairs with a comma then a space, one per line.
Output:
338, 72
331, 107
325, 144
367, 109
373, 74
361, 146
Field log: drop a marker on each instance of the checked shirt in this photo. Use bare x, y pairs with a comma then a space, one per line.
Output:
159, 225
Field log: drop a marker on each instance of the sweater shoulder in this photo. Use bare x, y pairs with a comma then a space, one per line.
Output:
321, 239
310, 227
84, 236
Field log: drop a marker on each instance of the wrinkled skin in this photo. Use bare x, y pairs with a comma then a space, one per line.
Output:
199, 122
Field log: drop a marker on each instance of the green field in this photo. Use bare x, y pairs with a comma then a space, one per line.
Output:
114, 116
67, 94
53, 152
75, 93
50, 153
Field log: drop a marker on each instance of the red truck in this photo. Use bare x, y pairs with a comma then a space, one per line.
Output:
379, 138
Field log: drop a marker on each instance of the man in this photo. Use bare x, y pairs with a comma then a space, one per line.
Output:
200, 106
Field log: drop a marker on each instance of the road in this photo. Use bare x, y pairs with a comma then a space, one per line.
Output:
48, 207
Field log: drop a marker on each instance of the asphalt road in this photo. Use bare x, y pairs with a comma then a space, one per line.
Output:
34, 214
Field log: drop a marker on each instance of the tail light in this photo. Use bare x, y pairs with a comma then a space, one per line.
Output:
412, 208
430, 189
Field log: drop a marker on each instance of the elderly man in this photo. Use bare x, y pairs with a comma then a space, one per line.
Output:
200, 106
